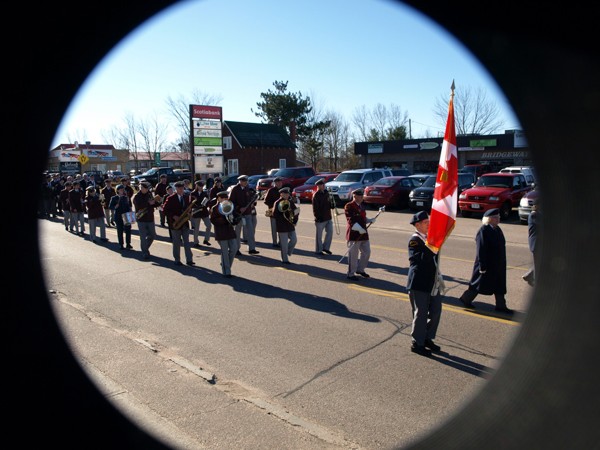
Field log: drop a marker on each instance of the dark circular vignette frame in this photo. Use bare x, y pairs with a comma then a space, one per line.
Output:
545, 394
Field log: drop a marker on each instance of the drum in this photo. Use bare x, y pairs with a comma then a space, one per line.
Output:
128, 218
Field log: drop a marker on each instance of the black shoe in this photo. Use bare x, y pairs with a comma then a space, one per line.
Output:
244, 241
353, 278
276, 246
420, 350
238, 253
327, 251
197, 245
207, 243
432, 346
466, 304
104, 239
191, 263
228, 276
121, 247
504, 309
254, 252
146, 256
178, 263
129, 247
364, 274
319, 253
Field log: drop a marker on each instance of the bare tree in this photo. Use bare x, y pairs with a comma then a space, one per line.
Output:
474, 113
381, 123
179, 109
151, 135
336, 142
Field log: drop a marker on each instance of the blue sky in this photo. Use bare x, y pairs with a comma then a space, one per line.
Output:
341, 53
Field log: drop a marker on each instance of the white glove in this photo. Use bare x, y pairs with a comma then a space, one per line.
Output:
372, 220
296, 211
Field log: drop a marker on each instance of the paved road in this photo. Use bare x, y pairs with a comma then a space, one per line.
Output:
277, 357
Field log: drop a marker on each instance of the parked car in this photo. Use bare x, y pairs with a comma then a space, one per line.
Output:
391, 192
421, 177
421, 198
526, 203
306, 191
253, 180
341, 188
115, 175
229, 181
477, 169
152, 176
525, 170
494, 190
292, 177
400, 172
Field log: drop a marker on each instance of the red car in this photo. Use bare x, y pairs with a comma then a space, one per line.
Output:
494, 190
391, 192
306, 191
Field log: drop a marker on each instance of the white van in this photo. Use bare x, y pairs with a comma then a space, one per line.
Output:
525, 170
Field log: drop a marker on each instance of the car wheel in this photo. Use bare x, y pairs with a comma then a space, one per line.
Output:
505, 211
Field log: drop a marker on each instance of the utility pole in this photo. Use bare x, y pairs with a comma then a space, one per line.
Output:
409, 129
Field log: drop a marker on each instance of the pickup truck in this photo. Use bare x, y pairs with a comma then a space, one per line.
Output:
152, 176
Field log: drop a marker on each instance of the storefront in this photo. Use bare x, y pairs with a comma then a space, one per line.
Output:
423, 155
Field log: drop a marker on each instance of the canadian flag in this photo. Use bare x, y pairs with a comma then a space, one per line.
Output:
445, 202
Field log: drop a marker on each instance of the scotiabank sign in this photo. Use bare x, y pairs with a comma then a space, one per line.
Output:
206, 112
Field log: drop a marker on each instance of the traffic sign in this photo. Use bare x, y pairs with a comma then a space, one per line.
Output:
83, 159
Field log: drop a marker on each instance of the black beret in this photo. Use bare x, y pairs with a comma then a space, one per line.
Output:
243, 178
277, 179
321, 181
285, 190
491, 212
179, 184
223, 194
418, 217
358, 192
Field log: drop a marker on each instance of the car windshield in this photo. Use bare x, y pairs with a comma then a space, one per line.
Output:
150, 172
429, 182
285, 173
312, 180
351, 177
386, 181
495, 181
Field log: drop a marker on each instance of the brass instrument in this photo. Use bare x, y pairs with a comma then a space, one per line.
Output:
184, 217
140, 213
336, 213
285, 208
227, 208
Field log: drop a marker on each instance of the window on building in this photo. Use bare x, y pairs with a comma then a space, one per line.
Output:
227, 145
233, 166
282, 163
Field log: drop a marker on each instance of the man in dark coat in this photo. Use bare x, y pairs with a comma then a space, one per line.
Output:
357, 237
489, 269
285, 213
423, 288
532, 221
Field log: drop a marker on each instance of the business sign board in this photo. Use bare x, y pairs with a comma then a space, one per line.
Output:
204, 132
97, 153
375, 148
206, 136
69, 156
208, 164
208, 150
207, 141
69, 168
207, 112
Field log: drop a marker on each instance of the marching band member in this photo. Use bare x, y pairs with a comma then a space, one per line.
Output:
224, 235
76, 198
64, 202
286, 214
242, 197
175, 206
201, 213
321, 204
270, 198
95, 214
120, 204
161, 189
108, 192
144, 204
357, 236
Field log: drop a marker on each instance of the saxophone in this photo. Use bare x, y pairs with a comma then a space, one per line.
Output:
184, 217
